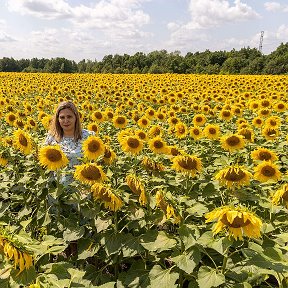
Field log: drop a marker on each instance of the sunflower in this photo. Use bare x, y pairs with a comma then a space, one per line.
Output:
98, 116
266, 171
119, 121
52, 157
233, 176
196, 133
93, 127
93, 147
225, 115
141, 134
263, 154
212, 131
232, 142
154, 131
158, 145
187, 164
3, 161
22, 259
280, 106
10, 118
151, 165
143, 122
258, 122
166, 207
247, 133
273, 122
181, 130
22, 141
199, 120
237, 221
270, 133
173, 120
109, 156
281, 195
137, 187
131, 144
174, 150
89, 173
264, 112
32, 124
103, 193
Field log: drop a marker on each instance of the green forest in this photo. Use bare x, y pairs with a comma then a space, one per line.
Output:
244, 61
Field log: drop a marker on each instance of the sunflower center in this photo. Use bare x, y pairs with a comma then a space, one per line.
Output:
196, 132
259, 121
234, 176
93, 146
285, 196
158, 144
181, 130
12, 118
133, 143
237, 222
233, 141
98, 115
212, 130
271, 132
53, 155
199, 119
264, 155
174, 121
273, 123
91, 173
268, 171
226, 113
188, 163
144, 122
142, 135
107, 153
174, 151
120, 120
22, 140
281, 106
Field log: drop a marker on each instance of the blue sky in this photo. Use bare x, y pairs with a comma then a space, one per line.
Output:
90, 29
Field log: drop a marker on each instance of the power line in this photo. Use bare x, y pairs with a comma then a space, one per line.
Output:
261, 41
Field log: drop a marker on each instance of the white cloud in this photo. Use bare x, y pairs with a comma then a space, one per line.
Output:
272, 6
282, 33
211, 13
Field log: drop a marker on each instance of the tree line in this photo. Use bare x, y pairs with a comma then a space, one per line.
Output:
244, 61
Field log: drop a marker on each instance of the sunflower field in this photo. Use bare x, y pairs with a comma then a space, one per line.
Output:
183, 184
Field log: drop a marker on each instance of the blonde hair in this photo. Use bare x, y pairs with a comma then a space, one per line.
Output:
56, 130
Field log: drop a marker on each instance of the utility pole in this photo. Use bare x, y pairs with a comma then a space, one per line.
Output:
261, 41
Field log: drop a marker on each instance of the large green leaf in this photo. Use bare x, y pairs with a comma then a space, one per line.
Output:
131, 246
137, 276
87, 248
162, 278
157, 241
187, 261
187, 234
209, 277
73, 233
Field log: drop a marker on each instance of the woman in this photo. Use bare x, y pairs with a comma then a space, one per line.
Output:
66, 131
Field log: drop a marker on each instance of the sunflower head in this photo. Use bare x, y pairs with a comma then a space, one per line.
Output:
131, 144
137, 187
281, 196
158, 145
89, 173
93, 147
187, 164
23, 141
267, 171
212, 131
263, 154
238, 222
52, 157
199, 119
232, 142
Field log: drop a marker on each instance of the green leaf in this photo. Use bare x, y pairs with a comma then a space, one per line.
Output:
209, 277
112, 242
221, 245
137, 276
87, 248
188, 261
107, 285
198, 209
187, 234
131, 246
157, 241
73, 233
102, 224
162, 278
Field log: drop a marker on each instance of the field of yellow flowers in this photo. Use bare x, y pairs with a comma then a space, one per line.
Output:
184, 183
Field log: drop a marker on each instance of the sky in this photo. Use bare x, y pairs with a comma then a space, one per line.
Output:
91, 29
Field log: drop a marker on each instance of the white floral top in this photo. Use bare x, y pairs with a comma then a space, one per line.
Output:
72, 149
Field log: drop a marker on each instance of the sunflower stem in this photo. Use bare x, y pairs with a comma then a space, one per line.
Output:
225, 259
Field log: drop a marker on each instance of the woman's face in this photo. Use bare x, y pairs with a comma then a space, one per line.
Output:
67, 120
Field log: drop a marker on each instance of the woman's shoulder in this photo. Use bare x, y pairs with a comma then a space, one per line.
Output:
86, 133
49, 139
